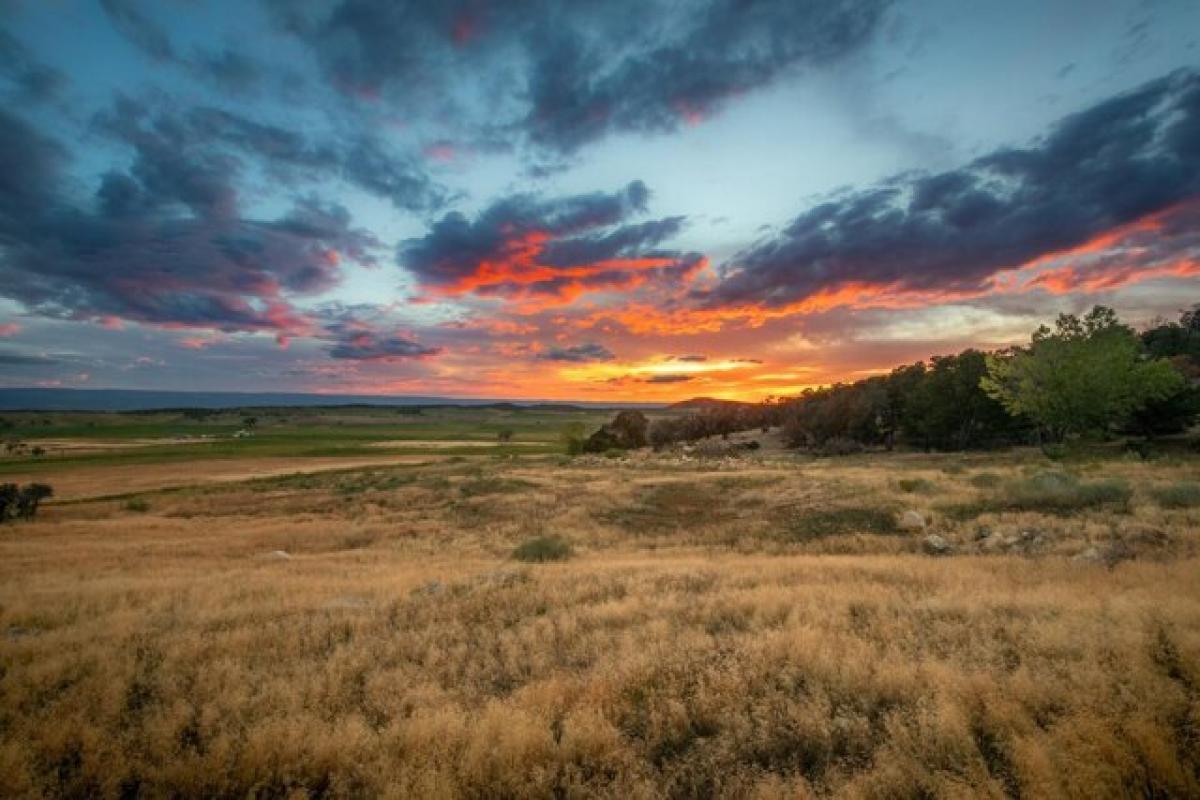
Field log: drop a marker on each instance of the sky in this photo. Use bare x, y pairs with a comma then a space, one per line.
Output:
593, 200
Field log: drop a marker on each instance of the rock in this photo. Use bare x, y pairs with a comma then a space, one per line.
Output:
1092, 555
278, 555
991, 543
935, 545
982, 533
911, 521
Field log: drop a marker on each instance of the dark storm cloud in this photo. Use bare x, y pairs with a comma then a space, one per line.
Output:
225, 68
681, 67
530, 246
579, 353
128, 18
369, 346
363, 332
199, 150
1111, 165
582, 70
33, 80
162, 244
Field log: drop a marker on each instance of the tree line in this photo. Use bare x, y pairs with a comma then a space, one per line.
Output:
1088, 376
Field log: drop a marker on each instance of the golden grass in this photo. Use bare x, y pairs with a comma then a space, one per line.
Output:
692, 646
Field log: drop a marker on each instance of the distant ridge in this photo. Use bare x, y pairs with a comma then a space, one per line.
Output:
36, 399
703, 403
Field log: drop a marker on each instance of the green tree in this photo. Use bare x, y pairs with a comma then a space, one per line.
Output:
1179, 343
1083, 377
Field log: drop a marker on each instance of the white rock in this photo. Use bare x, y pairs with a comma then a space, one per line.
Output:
911, 521
935, 545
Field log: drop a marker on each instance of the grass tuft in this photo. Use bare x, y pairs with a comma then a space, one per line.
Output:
1061, 493
1184, 494
917, 486
810, 524
541, 549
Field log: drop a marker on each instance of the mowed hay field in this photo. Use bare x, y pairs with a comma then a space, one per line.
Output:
754, 627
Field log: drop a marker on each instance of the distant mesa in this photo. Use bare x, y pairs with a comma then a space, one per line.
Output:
705, 404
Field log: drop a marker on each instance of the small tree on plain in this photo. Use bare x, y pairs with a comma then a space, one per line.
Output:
30, 498
505, 435
629, 428
9, 492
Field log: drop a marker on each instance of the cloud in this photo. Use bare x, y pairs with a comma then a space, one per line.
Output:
669, 377
128, 19
690, 358
527, 248
666, 67
225, 68
9, 329
229, 70
14, 359
367, 346
163, 244
579, 353
1129, 157
33, 80
363, 332
568, 75
204, 145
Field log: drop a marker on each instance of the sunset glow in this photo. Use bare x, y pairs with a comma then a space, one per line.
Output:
624, 201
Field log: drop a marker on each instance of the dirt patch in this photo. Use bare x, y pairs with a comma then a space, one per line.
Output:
103, 481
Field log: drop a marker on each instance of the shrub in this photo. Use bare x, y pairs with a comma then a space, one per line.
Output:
1058, 492
136, 504
540, 549
1184, 494
916, 486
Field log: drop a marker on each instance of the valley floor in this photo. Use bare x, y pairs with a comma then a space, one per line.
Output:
755, 627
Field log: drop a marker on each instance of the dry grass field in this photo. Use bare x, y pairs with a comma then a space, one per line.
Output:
755, 627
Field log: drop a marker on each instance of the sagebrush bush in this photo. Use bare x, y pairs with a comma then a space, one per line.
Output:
916, 485
542, 548
1184, 494
1060, 492
137, 505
